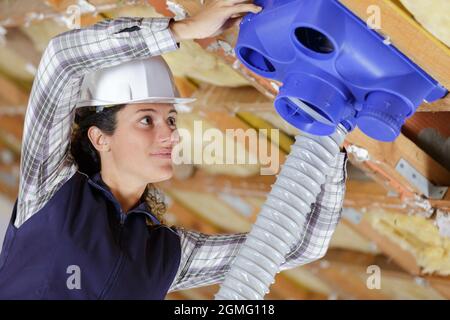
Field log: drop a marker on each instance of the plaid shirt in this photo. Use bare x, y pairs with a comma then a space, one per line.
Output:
46, 163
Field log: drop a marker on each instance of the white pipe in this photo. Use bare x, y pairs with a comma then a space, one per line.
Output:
282, 218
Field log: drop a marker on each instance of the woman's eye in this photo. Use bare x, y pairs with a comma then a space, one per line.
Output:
146, 122
172, 121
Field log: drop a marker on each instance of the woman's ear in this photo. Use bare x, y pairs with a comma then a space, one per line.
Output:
99, 140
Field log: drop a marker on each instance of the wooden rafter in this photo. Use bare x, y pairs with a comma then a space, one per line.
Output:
380, 160
22, 45
11, 94
402, 258
359, 194
346, 272
13, 124
440, 105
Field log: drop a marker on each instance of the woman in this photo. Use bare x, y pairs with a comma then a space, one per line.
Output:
86, 223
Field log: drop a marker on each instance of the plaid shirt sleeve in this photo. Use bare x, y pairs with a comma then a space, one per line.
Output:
45, 162
207, 258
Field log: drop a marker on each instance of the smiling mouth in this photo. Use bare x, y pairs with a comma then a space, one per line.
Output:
162, 155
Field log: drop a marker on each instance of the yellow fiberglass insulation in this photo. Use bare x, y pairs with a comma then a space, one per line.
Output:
416, 235
433, 15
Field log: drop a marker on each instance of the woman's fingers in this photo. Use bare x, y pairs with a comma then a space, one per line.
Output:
228, 24
244, 8
234, 2
232, 22
238, 15
214, 19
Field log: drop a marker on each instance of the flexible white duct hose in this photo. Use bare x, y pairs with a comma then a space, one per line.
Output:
282, 217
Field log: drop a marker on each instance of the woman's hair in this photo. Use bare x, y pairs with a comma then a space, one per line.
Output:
88, 159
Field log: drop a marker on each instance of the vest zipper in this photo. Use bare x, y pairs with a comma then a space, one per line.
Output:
109, 195
112, 279
153, 218
123, 216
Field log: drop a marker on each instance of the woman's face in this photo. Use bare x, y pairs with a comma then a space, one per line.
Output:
142, 143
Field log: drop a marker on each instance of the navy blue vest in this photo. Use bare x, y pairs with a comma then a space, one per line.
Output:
81, 246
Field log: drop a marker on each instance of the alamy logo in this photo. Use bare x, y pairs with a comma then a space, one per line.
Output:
374, 21
74, 280
234, 146
374, 280
72, 18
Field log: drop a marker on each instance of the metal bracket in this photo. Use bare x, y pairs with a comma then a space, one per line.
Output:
410, 173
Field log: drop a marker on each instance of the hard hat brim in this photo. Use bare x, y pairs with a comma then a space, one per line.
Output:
90, 103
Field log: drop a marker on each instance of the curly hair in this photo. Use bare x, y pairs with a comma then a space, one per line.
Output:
88, 160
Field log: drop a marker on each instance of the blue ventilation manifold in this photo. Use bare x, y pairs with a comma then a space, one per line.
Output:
334, 69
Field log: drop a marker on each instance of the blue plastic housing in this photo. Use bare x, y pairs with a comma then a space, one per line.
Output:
333, 67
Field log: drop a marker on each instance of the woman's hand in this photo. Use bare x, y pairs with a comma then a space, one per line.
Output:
216, 17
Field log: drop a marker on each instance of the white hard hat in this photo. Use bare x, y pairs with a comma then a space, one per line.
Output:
136, 81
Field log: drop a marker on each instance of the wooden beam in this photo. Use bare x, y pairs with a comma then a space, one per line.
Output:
201, 181
408, 36
437, 106
401, 257
15, 159
439, 121
346, 272
404, 259
359, 194
370, 194
8, 168
239, 133
185, 87
19, 42
187, 218
9, 191
346, 282
233, 100
382, 158
248, 99
11, 94
440, 284
358, 259
282, 140
15, 13
13, 125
